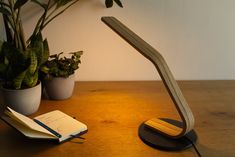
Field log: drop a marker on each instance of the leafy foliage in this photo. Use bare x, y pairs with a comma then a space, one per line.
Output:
21, 60
61, 66
109, 3
19, 69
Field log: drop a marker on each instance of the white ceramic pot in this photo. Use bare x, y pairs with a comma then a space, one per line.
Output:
24, 101
59, 88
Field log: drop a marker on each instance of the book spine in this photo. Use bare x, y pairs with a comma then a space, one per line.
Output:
48, 128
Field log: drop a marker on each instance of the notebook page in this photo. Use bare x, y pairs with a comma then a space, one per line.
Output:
27, 121
26, 131
61, 123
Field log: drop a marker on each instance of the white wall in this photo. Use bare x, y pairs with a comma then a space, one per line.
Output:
196, 37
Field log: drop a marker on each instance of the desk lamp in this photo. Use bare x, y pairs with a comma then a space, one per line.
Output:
160, 133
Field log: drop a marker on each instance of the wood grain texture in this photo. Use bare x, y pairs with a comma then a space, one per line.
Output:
113, 112
171, 85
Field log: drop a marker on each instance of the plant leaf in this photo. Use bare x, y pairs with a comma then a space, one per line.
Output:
19, 3
44, 69
3, 4
35, 79
2, 68
119, 3
5, 11
1, 46
46, 52
62, 66
17, 81
30, 80
108, 3
36, 45
33, 63
7, 22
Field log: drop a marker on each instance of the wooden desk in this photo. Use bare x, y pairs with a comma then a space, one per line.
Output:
113, 112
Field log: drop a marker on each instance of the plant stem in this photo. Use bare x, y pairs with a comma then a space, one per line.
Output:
35, 29
52, 12
21, 31
47, 22
15, 26
44, 16
4, 4
40, 22
7, 28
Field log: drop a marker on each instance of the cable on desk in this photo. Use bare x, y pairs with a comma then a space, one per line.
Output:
194, 146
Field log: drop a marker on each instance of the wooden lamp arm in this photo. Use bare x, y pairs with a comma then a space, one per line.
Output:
170, 83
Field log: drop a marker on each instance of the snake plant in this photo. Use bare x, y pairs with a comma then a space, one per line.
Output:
19, 69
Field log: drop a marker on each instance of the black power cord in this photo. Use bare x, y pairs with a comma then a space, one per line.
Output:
194, 146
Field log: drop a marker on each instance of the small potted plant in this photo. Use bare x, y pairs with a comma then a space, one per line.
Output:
21, 59
58, 75
19, 69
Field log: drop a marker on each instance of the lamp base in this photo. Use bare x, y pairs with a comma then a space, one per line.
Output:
159, 141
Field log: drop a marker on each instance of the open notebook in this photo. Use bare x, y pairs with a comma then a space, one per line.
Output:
54, 125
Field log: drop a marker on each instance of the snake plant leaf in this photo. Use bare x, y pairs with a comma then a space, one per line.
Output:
41, 50
119, 3
19, 3
33, 63
6, 61
30, 80
15, 56
4, 11
4, 4
1, 46
35, 39
37, 46
46, 52
35, 79
108, 3
17, 81
3, 66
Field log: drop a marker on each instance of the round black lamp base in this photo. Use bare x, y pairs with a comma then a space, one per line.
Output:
159, 141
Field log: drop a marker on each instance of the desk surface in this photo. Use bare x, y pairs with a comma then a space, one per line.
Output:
113, 112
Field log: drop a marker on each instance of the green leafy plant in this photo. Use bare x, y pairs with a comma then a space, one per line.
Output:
58, 66
19, 69
20, 59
